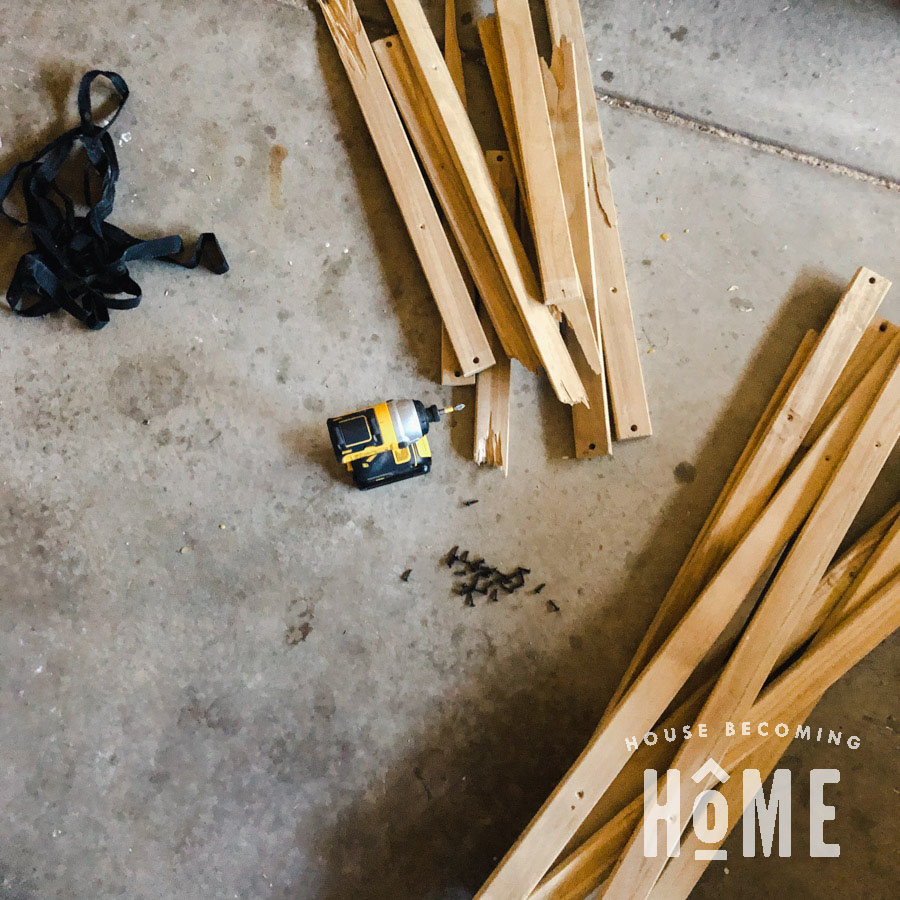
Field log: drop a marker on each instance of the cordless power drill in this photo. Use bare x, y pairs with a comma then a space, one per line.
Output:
386, 443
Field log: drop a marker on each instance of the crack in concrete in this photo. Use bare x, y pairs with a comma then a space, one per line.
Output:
744, 139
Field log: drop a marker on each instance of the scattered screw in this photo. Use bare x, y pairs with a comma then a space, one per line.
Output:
553, 606
477, 577
516, 581
469, 502
406, 574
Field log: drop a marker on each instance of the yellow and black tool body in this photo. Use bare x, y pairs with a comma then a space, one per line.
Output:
385, 443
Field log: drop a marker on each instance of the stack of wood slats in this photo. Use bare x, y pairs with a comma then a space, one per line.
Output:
560, 305
760, 621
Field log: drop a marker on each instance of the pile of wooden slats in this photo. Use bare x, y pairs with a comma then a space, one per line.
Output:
519, 245
762, 618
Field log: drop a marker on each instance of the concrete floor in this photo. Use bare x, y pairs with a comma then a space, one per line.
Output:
273, 713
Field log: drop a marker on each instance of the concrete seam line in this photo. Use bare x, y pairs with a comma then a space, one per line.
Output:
744, 139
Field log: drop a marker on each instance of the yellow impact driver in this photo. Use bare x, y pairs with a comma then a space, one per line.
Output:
386, 443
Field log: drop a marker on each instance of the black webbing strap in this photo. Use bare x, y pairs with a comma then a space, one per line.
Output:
78, 263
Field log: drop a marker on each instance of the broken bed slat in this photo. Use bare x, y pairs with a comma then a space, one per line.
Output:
456, 130
450, 192
543, 188
491, 444
656, 687
628, 398
416, 206
563, 108
754, 656
739, 505
576, 311
451, 373
590, 425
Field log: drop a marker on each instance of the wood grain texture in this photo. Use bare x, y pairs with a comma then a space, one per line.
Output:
678, 595
561, 91
456, 130
766, 463
489, 33
770, 627
451, 371
871, 622
591, 426
543, 186
628, 399
873, 341
564, 104
659, 682
454, 202
591, 856
416, 206
869, 613
491, 437
452, 51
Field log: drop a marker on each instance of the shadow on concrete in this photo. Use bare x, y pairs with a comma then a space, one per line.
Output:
437, 823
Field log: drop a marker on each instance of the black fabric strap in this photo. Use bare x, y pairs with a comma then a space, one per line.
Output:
78, 263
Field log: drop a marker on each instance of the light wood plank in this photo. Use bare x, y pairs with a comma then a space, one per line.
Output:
575, 877
870, 612
489, 33
465, 151
762, 470
689, 642
561, 91
591, 425
873, 341
454, 202
406, 180
451, 372
564, 104
875, 617
840, 576
678, 595
452, 51
629, 783
491, 441
543, 187
764, 638
628, 398
586, 860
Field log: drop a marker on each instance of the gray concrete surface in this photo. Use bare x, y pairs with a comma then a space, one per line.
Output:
273, 713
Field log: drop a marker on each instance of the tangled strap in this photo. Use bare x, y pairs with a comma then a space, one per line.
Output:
78, 263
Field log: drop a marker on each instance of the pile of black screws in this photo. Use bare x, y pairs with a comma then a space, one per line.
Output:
475, 576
